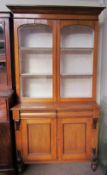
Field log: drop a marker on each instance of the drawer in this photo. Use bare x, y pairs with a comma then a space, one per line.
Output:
3, 110
35, 114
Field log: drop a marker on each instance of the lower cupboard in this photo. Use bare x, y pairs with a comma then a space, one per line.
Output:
38, 139
74, 141
44, 137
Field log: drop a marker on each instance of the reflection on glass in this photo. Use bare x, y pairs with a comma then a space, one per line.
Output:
3, 78
76, 61
2, 41
35, 49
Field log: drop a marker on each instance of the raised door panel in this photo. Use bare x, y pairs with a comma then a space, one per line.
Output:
74, 138
38, 139
70, 143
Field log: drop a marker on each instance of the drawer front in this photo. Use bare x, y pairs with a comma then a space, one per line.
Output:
3, 110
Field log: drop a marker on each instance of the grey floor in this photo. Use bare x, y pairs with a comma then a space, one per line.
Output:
61, 169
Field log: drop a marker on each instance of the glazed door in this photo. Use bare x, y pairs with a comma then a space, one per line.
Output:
77, 47
5, 63
74, 138
35, 59
3, 70
38, 139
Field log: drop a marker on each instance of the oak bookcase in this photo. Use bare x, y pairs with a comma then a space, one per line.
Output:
56, 117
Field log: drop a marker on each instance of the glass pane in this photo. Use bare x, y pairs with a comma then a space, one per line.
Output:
37, 87
74, 88
35, 49
76, 61
35, 35
36, 62
77, 37
2, 40
3, 76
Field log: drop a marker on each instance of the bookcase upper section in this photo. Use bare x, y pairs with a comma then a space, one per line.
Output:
56, 52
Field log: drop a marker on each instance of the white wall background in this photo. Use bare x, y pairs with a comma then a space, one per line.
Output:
3, 3
104, 57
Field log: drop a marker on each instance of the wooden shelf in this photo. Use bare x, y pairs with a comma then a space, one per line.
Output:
79, 49
28, 75
37, 50
75, 76
49, 50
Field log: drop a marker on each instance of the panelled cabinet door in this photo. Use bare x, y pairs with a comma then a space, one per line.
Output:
77, 60
38, 139
74, 138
